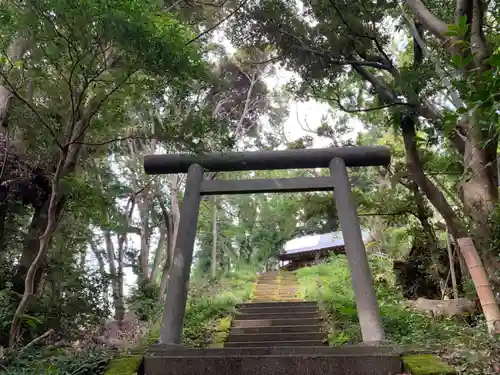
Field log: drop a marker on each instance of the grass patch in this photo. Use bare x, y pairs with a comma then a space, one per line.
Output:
469, 349
208, 302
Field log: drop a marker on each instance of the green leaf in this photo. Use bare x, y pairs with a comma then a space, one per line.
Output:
451, 33
494, 60
467, 60
462, 25
453, 30
457, 61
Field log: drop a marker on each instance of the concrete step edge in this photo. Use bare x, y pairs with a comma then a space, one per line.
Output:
302, 302
269, 343
304, 356
275, 337
280, 313
282, 319
305, 325
274, 308
276, 333
278, 329
322, 349
277, 316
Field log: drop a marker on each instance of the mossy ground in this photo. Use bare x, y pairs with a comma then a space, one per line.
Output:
427, 364
221, 332
127, 365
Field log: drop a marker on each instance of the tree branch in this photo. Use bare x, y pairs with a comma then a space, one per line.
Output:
432, 23
32, 109
357, 110
212, 28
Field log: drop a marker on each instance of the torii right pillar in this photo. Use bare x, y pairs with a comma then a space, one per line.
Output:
366, 301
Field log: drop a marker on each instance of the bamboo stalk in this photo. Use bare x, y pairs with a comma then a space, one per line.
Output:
483, 288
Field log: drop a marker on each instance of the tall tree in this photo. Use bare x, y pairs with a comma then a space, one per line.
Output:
331, 45
68, 85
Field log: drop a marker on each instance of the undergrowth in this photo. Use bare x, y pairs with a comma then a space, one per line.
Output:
468, 348
209, 301
40, 361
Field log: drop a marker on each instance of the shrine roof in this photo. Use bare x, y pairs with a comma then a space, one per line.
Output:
317, 242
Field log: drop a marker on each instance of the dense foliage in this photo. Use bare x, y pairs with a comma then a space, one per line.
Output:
88, 87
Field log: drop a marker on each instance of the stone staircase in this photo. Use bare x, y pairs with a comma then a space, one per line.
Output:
287, 321
276, 334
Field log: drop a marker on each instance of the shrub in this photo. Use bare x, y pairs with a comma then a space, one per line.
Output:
143, 300
468, 348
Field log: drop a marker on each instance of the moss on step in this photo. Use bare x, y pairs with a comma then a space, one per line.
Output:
427, 364
127, 365
221, 332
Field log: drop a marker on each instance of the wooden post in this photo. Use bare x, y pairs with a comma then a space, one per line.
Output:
452, 265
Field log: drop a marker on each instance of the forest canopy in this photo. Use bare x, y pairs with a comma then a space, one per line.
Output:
88, 87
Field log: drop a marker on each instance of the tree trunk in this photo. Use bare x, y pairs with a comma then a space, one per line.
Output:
116, 276
161, 249
102, 268
214, 237
54, 208
6, 99
431, 241
3, 222
144, 207
31, 246
478, 190
479, 193
172, 235
433, 194
15, 51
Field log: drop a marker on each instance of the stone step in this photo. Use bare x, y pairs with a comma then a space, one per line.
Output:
275, 295
276, 275
249, 309
275, 337
277, 329
277, 304
268, 298
276, 300
280, 278
278, 316
242, 323
275, 286
257, 344
348, 350
287, 280
275, 365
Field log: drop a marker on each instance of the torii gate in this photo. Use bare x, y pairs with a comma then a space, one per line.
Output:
336, 159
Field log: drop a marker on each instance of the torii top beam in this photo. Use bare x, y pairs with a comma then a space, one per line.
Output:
268, 160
